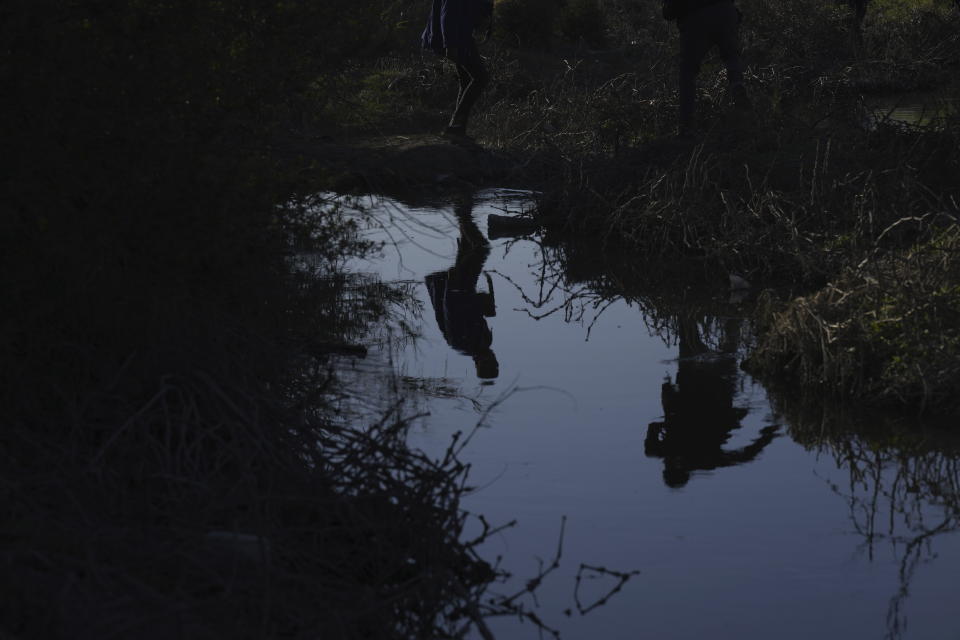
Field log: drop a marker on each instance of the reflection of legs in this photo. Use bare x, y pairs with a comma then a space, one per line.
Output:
472, 248
731, 336
463, 208
473, 77
473, 336
472, 252
688, 334
705, 386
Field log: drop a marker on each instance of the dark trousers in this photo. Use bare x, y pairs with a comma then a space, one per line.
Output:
473, 78
714, 25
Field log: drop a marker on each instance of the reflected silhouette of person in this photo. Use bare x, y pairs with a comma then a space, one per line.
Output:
460, 309
699, 412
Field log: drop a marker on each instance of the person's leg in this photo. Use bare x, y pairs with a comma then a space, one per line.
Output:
458, 119
728, 40
473, 77
695, 41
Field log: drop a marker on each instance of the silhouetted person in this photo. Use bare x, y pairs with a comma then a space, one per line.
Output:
460, 309
859, 8
699, 414
449, 33
703, 25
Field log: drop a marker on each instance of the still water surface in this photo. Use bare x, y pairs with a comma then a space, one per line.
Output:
917, 109
738, 531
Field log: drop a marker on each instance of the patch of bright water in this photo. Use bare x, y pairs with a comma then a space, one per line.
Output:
775, 540
922, 110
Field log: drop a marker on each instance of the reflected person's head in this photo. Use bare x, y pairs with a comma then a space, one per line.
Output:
675, 477
487, 366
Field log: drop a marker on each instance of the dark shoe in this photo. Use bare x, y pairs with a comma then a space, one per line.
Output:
455, 131
458, 135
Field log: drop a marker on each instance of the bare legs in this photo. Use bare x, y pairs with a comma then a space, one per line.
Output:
473, 78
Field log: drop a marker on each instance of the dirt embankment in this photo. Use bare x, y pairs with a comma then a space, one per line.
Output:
401, 164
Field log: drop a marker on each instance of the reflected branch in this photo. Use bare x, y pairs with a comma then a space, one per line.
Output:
902, 487
592, 572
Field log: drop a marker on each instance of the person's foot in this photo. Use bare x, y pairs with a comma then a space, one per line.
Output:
458, 135
740, 98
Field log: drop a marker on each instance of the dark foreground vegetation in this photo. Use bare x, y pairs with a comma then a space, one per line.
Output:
173, 461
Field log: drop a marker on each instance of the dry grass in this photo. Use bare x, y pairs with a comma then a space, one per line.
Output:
883, 333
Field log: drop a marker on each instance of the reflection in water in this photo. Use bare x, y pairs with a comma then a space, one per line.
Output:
914, 109
904, 499
903, 487
700, 415
699, 411
460, 309
900, 496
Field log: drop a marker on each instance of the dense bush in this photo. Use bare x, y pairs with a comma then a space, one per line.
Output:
813, 34
583, 20
526, 23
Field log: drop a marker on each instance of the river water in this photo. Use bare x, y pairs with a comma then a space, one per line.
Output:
636, 424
